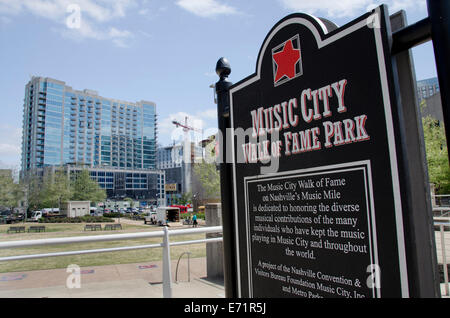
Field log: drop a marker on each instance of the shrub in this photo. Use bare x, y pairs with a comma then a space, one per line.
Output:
78, 219
134, 217
199, 215
112, 215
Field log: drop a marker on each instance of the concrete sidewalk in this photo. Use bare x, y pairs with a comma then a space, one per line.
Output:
141, 280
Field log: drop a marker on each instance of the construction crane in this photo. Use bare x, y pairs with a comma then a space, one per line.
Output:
185, 127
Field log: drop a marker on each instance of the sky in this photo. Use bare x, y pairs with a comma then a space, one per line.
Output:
163, 51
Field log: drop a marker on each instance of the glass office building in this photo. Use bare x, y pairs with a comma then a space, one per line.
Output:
63, 126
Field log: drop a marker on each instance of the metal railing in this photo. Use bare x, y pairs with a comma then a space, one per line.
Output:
441, 211
166, 244
189, 266
442, 226
441, 203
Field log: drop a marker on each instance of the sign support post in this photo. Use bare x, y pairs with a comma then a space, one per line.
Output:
422, 263
439, 15
222, 87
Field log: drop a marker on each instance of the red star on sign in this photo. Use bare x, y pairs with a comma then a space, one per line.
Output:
286, 61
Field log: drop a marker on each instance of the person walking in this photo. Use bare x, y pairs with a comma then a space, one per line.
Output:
194, 220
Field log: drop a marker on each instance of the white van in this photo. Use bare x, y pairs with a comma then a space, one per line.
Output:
35, 216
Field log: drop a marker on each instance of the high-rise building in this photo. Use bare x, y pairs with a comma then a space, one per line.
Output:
67, 127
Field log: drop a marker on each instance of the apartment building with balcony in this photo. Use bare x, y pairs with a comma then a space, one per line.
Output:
67, 127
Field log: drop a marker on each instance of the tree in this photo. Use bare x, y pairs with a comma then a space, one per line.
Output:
437, 156
209, 178
33, 187
55, 189
10, 192
86, 189
48, 195
185, 198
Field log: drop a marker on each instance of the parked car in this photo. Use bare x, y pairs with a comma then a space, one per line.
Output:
15, 218
4, 215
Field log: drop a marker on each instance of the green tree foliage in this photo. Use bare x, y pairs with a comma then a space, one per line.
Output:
55, 189
437, 156
86, 189
33, 187
10, 192
185, 198
209, 177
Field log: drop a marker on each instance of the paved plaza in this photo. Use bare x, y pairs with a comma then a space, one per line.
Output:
142, 280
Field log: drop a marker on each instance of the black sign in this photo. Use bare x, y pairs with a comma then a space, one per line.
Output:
316, 182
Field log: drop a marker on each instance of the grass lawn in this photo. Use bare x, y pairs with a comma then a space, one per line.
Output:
70, 230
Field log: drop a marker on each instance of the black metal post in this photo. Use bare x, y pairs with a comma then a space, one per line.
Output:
411, 35
223, 108
420, 242
439, 15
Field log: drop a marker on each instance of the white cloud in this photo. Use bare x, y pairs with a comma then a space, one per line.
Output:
93, 15
7, 149
347, 8
115, 33
87, 30
10, 143
100, 11
208, 114
396, 5
145, 34
206, 8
